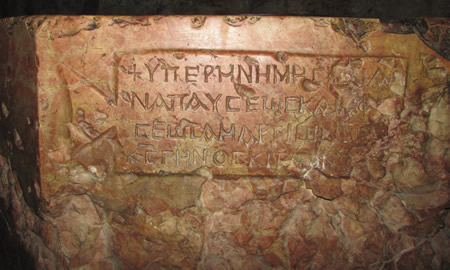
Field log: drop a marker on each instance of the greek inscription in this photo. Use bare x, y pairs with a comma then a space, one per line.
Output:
223, 74
180, 158
229, 108
241, 114
277, 74
202, 158
219, 158
228, 133
213, 100
167, 70
237, 159
156, 132
194, 103
259, 74
207, 72
165, 155
150, 71
247, 74
250, 104
139, 134
159, 103
190, 77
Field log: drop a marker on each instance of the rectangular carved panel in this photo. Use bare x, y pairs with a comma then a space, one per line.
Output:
237, 112
244, 113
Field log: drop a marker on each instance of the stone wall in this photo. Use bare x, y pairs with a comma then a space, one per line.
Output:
374, 200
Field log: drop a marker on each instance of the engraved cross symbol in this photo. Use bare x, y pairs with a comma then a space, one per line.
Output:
135, 73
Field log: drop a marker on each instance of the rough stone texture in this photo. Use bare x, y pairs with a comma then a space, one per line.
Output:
372, 195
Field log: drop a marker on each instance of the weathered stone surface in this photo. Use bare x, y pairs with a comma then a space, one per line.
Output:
237, 142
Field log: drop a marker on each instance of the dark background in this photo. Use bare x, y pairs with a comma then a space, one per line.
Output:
383, 9
12, 253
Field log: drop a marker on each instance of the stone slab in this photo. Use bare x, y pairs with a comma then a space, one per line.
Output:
225, 103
